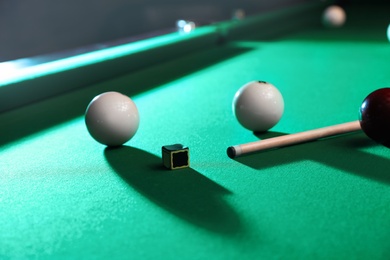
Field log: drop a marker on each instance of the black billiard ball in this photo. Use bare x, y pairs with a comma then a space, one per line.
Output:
374, 116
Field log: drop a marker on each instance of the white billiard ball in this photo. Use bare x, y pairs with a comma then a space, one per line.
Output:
334, 16
388, 32
180, 24
258, 106
112, 118
238, 14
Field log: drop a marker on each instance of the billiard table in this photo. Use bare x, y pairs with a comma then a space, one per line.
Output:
63, 195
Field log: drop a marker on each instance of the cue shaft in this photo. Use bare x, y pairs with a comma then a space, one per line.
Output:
285, 140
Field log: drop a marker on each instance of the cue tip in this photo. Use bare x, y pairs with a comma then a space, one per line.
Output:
233, 151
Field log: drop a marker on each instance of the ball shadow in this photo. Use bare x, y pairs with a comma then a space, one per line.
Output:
268, 134
185, 193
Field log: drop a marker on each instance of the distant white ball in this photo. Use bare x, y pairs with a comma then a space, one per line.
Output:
189, 27
112, 118
388, 32
334, 16
238, 14
180, 24
258, 106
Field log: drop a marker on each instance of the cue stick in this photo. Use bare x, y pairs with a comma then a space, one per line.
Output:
285, 140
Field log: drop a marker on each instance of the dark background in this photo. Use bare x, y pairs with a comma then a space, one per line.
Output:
35, 27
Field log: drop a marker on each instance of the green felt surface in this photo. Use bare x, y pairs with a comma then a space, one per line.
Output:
63, 195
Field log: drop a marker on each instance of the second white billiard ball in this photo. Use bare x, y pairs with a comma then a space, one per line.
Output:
258, 106
112, 118
334, 16
388, 32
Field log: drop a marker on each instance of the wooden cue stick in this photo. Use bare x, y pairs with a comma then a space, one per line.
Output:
285, 140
